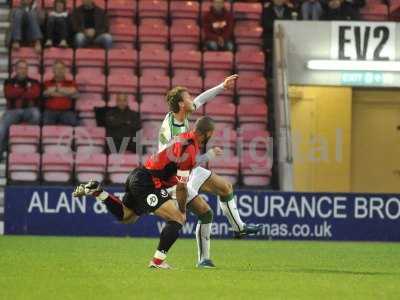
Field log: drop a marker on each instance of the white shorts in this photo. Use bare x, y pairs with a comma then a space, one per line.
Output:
197, 177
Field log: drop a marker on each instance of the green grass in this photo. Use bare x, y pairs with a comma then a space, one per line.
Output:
116, 268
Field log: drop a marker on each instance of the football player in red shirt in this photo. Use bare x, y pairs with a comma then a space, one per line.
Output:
145, 187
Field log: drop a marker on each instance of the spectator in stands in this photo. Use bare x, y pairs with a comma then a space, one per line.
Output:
57, 30
218, 27
338, 10
22, 94
90, 24
122, 122
25, 25
60, 94
276, 10
311, 10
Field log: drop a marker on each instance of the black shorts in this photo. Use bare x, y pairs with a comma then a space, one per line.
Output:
140, 193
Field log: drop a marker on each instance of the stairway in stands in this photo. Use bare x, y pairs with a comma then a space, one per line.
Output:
4, 25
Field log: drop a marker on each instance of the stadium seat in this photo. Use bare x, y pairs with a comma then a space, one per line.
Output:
30, 55
221, 113
252, 113
57, 138
153, 35
23, 167
122, 59
375, 12
89, 82
153, 87
122, 9
184, 35
122, 82
90, 139
226, 166
256, 169
224, 97
50, 55
90, 166
153, 9
133, 105
252, 127
225, 138
86, 104
206, 4
24, 138
251, 89
154, 62
186, 62
93, 60
217, 63
57, 168
255, 139
248, 36
188, 10
247, 11
193, 83
250, 63
100, 3
153, 110
149, 133
120, 165
124, 33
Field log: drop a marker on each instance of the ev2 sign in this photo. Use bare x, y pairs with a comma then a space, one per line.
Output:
363, 41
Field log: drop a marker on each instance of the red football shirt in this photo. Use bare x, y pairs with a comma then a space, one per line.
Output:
180, 155
59, 103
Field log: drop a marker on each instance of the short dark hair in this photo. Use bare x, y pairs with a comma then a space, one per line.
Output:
174, 96
204, 125
64, 3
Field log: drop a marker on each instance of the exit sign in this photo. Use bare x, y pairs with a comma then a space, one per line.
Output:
362, 78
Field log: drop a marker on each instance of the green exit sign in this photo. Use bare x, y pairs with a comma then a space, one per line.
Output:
362, 78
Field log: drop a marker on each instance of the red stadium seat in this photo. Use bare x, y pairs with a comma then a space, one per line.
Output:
247, 11
225, 97
90, 139
23, 167
24, 138
122, 59
153, 87
256, 169
90, 166
153, 110
152, 35
252, 127
57, 139
153, 9
225, 138
86, 104
184, 10
149, 134
122, 8
255, 139
57, 168
217, 63
186, 62
122, 82
206, 5
120, 165
50, 55
226, 166
252, 113
90, 82
30, 55
251, 89
124, 33
248, 36
250, 63
90, 59
154, 62
221, 113
375, 12
193, 83
185, 36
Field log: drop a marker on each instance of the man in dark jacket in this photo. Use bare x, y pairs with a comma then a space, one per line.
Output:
218, 27
277, 10
90, 24
122, 124
22, 95
338, 10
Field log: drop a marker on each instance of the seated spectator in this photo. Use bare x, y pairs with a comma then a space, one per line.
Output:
25, 25
122, 122
311, 10
22, 95
338, 10
90, 24
60, 94
218, 27
277, 10
57, 25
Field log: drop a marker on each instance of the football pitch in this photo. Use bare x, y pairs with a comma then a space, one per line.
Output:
116, 268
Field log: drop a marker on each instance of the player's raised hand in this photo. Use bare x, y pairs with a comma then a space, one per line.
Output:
217, 151
229, 82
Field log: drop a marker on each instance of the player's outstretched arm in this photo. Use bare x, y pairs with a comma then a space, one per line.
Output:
206, 96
